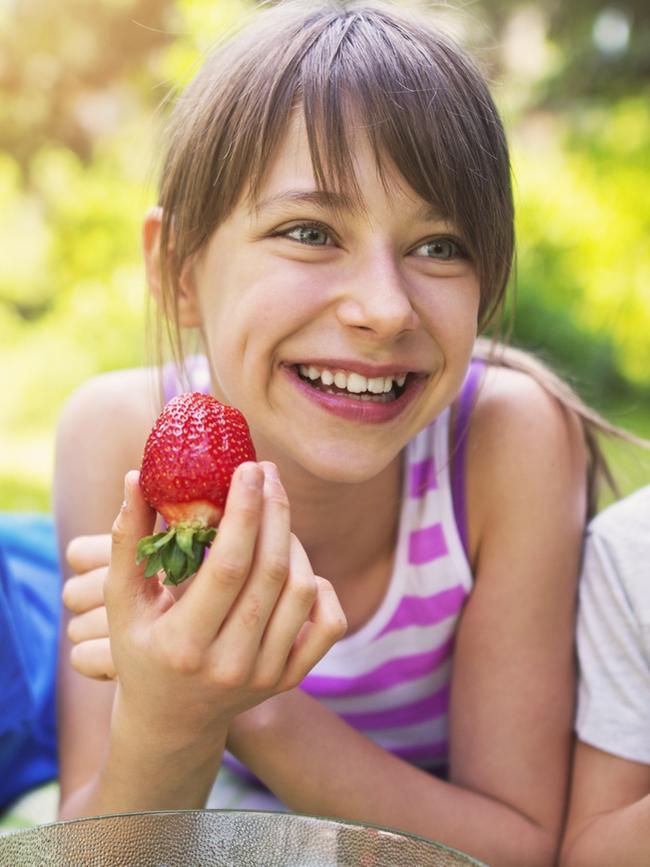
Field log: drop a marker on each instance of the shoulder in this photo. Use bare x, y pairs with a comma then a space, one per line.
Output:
525, 451
512, 404
100, 436
116, 404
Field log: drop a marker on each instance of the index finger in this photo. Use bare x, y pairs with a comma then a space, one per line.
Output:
203, 607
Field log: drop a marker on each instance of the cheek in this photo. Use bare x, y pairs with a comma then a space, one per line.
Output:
449, 309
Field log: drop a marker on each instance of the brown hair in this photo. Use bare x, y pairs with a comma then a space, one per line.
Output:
421, 101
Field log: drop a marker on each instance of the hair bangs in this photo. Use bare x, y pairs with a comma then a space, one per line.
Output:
351, 70
428, 117
348, 89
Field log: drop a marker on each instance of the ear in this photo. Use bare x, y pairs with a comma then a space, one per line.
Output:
186, 298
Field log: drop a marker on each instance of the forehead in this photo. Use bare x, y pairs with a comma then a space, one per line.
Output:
290, 177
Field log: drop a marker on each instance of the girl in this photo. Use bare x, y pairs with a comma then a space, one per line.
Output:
609, 820
335, 223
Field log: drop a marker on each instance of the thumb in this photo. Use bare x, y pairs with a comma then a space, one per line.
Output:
136, 519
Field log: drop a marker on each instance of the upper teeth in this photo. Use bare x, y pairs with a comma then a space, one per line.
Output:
353, 382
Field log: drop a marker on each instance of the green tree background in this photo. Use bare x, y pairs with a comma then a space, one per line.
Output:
82, 86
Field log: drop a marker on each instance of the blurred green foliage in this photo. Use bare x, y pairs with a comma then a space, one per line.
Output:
584, 251
81, 88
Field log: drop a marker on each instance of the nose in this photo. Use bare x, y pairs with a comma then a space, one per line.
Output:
377, 301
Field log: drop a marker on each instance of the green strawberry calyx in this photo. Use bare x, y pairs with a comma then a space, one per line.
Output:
177, 551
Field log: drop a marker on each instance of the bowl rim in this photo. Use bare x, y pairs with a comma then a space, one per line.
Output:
303, 817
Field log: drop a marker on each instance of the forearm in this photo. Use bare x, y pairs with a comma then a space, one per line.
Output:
620, 837
147, 770
318, 764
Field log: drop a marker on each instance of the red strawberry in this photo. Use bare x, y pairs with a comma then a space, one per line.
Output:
190, 455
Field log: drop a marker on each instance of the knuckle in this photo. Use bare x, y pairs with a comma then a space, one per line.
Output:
251, 615
324, 585
333, 627
186, 659
335, 622
73, 630
276, 569
338, 626
248, 513
276, 495
77, 659
229, 571
231, 677
139, 641
69, 595
290, 680
73, 551
267, 682
304, 592
178, 653
119, 535
183, 657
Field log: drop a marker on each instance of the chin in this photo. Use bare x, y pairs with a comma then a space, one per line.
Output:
345, 466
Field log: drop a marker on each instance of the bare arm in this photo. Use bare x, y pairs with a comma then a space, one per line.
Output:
609, 820
512, 692
109, 761
609, 815
100, 436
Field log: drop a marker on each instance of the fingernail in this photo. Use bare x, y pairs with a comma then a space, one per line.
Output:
251, 476
271, 471
128, 482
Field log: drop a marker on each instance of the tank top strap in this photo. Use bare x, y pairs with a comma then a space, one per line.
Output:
459, 447
197, 372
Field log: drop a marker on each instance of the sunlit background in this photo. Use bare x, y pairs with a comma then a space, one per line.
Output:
81, 87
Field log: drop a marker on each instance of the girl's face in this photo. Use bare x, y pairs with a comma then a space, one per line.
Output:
339, 333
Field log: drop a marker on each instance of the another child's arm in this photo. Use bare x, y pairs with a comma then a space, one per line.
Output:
609, 816
512, 688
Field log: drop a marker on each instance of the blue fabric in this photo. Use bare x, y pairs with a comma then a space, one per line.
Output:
29, 626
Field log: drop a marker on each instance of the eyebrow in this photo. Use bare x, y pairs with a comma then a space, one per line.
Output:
332, 201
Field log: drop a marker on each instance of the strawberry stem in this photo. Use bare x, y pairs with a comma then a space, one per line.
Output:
178, 551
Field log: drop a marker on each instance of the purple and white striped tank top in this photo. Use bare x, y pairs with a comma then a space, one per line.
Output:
390, 680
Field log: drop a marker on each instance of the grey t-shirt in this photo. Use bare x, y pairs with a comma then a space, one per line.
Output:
614, 631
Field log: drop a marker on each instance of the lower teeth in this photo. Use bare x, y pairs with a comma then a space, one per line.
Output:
386, 397
365, 396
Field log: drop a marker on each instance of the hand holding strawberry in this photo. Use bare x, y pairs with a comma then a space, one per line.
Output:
241, 620
251, 624
187, 466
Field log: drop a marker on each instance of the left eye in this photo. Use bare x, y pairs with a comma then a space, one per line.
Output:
441, 248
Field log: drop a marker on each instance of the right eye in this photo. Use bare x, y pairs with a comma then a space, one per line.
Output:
309, 233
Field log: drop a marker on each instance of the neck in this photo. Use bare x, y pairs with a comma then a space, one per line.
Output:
331, 520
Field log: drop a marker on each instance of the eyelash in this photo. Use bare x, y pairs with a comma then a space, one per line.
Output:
461, 252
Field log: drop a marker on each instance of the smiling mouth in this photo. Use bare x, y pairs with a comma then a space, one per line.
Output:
379, 389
